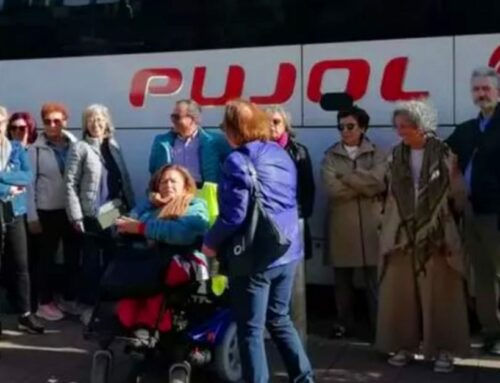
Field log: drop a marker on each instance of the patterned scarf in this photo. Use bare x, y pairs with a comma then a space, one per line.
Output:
423, 222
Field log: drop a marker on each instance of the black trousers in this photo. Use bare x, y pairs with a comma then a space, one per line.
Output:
56, 228
14, 261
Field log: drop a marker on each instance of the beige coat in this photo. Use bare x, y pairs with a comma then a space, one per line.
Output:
416, 311
353, 188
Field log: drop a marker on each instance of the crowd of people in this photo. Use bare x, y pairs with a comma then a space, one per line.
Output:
398, 219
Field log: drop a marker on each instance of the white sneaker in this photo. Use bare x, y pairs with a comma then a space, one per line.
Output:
444, 363
400, 359
49, 312
86, 315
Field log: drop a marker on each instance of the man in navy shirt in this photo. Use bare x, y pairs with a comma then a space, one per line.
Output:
476, 143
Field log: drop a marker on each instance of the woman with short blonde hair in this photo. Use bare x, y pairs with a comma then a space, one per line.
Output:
96, 175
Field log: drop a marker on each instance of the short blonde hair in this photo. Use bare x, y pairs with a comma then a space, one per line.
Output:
245, 122
98, 109
4, 112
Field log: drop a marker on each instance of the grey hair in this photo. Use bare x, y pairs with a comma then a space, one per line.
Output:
488, 72
4, 112
287, 117
193, 108
98, 109
420, 112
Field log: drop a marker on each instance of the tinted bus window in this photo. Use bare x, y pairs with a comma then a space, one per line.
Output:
53, 28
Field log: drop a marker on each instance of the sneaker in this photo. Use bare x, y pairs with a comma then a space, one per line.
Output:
30, 324
399, 359
49, 312
70, 307
444, 363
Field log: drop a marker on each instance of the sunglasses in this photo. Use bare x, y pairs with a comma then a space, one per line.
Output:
50, 122
15, 128
343, 127
177, 116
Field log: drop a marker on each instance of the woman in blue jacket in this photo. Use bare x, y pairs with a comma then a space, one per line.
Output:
15, 176
261, 298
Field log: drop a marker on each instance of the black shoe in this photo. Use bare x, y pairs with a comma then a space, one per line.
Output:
30, 324
339, 332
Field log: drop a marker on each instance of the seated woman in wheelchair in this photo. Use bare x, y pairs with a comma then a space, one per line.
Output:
176, 219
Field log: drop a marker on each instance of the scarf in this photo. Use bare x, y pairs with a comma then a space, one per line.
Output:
171, 207
422, 221
282, 140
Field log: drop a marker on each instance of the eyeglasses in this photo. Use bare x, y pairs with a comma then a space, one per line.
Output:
342, 127
177, 116
50, 122
276, 121
21, 128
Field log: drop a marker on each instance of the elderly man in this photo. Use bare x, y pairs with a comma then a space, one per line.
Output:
187, 144
477, 144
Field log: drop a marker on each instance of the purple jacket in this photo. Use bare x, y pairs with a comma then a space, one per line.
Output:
277, 177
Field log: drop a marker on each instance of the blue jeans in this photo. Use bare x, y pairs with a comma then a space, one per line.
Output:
264, 299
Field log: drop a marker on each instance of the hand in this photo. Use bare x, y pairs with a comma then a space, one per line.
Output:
128, 225
208, 251
15, 190
78, 226
35, 227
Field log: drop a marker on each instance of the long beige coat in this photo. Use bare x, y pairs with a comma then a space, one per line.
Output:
353, 188
428, 310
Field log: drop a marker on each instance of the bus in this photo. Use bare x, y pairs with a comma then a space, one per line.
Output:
139, 56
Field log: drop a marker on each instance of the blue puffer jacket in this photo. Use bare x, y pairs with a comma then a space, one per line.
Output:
18, 173
183, 231
277, 177
213, 150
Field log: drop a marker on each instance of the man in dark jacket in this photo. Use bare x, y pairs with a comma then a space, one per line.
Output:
477, 145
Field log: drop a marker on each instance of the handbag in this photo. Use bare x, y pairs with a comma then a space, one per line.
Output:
136, 270
259, 242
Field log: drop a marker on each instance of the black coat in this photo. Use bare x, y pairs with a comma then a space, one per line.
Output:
468, 142
306, 188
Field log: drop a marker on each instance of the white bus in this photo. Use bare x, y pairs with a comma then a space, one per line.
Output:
139, 56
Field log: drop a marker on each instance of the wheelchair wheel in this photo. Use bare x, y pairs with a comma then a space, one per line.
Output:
227, 363
179, 373
101, 367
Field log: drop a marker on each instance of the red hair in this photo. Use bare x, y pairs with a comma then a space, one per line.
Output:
30, 123
51, 107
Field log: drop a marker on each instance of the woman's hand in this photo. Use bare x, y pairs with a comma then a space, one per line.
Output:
127, 225
209, 252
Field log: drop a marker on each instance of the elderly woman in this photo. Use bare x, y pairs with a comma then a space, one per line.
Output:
95, 175
22, 128
262, 296
353, 172
46, 212
172, 216
422, 296
15, 176
282, 133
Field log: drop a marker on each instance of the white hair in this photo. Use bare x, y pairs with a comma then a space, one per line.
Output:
488, 72
103, 111
420, 112
287, 117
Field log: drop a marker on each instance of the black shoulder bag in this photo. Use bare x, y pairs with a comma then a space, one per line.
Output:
259, 242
